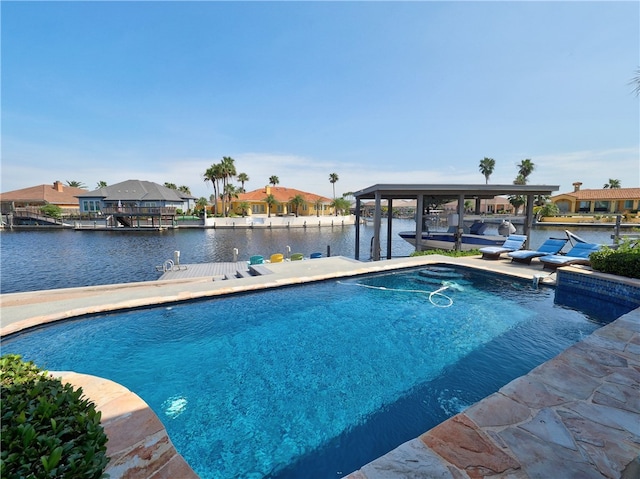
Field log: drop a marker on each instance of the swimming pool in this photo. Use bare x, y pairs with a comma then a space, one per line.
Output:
317, 380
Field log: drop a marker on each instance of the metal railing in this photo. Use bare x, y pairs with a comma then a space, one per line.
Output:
139, 210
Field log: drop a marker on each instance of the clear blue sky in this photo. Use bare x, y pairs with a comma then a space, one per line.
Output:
377, 92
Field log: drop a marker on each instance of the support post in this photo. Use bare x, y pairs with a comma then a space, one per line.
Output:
528, 220
419, 221
389, 226
460, 228
357, 249
375, 254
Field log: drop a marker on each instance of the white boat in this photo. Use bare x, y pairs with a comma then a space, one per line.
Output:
473, 237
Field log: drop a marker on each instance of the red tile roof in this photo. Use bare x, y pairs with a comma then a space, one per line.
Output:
281, 194
610, 194
44, 194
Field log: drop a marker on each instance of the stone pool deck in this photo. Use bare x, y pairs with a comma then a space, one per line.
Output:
577, 415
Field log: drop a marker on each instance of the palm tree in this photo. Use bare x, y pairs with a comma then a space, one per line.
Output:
342, 205
518, 200
227, 171
525, 168
635, 81
333, 177
171, 186
230, 192
76, 184
487, 166
243, 178
296, 202
547, 209
201, 204
612, 184
244, 208
274, 180
271, 201
214, 175
184, 189
101, 184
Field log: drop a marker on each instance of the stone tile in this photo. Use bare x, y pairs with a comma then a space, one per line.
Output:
497, 410
562, 377
533, 393
618, 396
175, 468
129, 422
547, 426
409, 460
465, 445
615, 331
595, 358
627, 377
608, 448
607, 341
608, 416
141, 461
630, 321
101, 390
356, 475
544, 460
633, 348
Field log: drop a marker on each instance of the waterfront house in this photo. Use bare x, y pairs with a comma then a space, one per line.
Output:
132, 201
314, 205
598, 201
24, 205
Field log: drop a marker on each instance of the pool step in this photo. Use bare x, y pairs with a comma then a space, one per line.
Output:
440, 272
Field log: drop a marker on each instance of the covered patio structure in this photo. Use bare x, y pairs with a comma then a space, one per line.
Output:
428, 194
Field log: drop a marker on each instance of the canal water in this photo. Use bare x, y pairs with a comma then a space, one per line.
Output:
39, 260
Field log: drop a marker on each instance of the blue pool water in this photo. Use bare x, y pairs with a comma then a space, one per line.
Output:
317, 380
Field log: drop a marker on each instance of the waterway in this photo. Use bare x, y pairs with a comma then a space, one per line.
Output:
40, 260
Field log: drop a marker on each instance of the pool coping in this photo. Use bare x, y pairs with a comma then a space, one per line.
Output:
21, 311
445, 449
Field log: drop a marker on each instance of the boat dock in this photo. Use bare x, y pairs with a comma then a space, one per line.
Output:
217, 271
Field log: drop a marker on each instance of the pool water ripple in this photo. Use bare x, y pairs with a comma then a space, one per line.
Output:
274, 383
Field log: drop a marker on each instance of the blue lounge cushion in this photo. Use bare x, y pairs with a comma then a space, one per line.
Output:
512, 243
578, 254
550, 246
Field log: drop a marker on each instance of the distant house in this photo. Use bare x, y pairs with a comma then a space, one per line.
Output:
136, 204
495, 205
34, 197
134, 194
601, 201
315, 205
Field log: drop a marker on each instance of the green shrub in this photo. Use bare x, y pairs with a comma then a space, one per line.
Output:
53, 211
623, 261
451, 253
48, 429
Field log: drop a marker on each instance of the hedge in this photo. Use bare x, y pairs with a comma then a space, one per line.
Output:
623, 261
48, 429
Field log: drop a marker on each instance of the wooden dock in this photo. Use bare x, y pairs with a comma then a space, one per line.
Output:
217, 271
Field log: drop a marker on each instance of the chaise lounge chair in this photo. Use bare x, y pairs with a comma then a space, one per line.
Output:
579, 254
550, 246
512, 243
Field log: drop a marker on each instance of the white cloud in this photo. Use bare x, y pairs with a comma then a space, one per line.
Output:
592, 168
